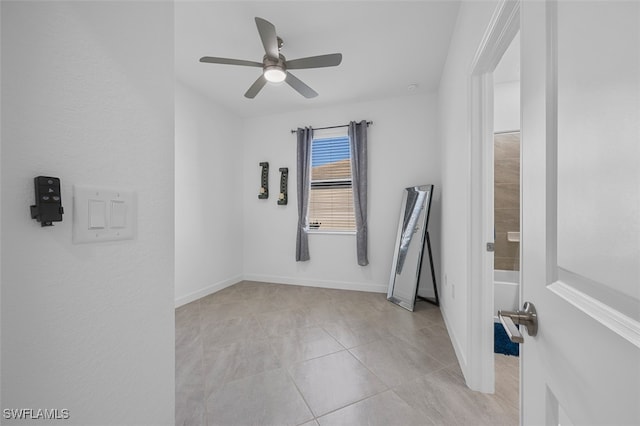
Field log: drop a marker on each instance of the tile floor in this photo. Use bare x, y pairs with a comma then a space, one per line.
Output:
269, 354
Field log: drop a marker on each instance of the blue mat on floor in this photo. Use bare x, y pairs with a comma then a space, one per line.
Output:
501, 342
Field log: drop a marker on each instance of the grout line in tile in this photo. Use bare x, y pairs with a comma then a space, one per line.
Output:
440, 364
356, 402
313, 414
369, 370
288, 373
417, 409
292, 364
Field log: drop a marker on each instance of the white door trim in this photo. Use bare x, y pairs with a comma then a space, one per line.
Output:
503, 27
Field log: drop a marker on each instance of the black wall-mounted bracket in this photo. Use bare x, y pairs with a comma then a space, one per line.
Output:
264, 181
48, 207
284, 179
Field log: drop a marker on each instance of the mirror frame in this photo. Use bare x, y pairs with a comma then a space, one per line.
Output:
424, 240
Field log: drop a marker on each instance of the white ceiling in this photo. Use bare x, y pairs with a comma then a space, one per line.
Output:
386, 46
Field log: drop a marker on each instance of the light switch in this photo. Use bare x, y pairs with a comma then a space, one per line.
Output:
118, 214
96, 214
103, 214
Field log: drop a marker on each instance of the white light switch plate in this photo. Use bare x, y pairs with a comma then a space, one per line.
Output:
103, 214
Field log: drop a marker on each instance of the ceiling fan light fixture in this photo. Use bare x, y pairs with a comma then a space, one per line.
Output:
274, 74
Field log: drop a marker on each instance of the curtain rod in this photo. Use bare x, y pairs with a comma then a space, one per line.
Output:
369, 123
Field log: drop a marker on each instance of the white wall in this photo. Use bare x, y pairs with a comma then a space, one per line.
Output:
208, 210
454, 132
87, 95
506, 106
403, 151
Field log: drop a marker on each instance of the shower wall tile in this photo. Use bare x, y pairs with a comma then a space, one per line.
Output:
506, 263
507, 170
507, 145
506, 248
506, 200
507, 220
507, 196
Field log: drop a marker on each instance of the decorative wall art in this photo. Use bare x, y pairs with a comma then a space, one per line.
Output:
284, 179
264, 181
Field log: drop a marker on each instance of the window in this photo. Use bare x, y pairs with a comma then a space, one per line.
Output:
331, 196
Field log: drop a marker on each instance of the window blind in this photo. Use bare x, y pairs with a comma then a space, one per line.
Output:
331, 196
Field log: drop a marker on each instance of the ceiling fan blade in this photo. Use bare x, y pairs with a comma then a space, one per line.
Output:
321, 61
300, 87
268, 36
256, 87
228, 61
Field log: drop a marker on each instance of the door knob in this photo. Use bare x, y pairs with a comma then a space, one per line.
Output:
527, 317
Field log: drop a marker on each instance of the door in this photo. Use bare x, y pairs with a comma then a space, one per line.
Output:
581, 211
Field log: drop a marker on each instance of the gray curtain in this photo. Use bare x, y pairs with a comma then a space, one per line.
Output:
358, 142
305, 136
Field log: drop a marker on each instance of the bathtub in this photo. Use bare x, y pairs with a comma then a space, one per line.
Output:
506, 291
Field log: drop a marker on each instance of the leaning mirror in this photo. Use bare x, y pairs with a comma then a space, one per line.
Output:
409, 249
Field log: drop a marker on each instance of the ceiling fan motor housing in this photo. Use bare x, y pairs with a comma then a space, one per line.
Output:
280, 63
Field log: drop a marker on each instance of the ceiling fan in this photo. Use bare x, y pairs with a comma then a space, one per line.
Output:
275, 66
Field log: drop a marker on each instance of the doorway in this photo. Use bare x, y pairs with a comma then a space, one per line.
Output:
501, 33
507, 210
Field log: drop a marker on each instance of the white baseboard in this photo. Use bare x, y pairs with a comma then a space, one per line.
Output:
207, 290
462, 360
341, 285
